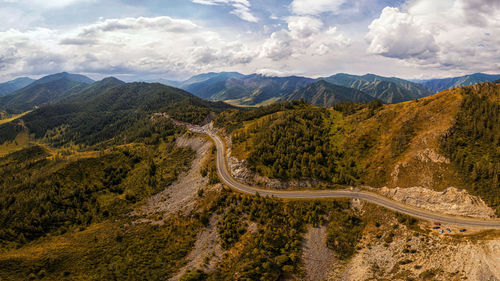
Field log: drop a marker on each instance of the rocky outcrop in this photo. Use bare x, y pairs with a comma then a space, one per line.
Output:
423, 258
450, 201
430, 155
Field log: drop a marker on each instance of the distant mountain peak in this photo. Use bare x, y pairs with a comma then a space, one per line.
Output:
112, 79
65, 75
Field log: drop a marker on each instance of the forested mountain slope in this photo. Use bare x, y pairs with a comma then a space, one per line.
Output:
39, 94
96, 116
46, 90
84, 165
448, 139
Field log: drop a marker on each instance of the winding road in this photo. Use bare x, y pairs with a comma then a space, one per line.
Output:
228, 180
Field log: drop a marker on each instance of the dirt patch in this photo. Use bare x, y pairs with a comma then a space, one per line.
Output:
317, 257
181, 195
450, 201
206, 252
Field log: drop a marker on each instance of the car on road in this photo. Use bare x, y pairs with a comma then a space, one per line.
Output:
437, 223
463, 230
436, 227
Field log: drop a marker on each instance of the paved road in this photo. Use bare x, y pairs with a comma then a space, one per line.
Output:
228, 180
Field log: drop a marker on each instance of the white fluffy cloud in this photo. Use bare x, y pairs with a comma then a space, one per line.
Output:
241, 8
400, 35
429, 37
447, 34
120, 46
304, 27
160, 46
305, 36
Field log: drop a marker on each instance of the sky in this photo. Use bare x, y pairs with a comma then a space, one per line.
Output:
175, 39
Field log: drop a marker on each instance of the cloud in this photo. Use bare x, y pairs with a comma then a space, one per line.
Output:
120, 46
457, 35
307, 7
241, 8
399, 35
303, 27
278, 46
306, 36
164, 23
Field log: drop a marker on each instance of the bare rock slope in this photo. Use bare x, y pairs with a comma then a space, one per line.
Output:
316, 255
180, 196
450, 201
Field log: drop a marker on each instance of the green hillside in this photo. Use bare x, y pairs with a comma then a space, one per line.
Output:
65, 209
117, 111
378, 145
46, 90
92, 90
39, 94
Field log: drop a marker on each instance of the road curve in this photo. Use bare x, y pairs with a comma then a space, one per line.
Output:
228, 180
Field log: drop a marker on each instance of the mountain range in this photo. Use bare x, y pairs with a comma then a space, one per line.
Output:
438, 85
242, 89
386, 89
257, 89
24, 94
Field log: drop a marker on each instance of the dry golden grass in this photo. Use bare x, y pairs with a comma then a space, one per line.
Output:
429, 118
51, 245
12, 118
21, 141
